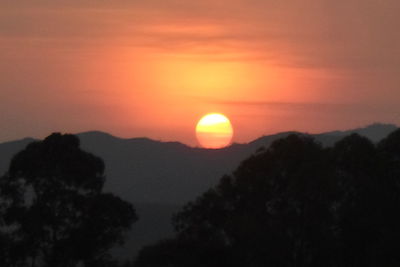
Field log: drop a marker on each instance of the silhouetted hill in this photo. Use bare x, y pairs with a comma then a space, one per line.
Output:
143, 170
158, 177
375, 132
154, 223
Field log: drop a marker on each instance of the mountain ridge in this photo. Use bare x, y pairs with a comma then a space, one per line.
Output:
159, 177
374, 131
377, 126
148, 164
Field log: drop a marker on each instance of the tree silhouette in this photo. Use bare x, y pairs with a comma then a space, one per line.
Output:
367, 178
294, 204
273, 211
389, 153
174, 252
357, 206
54, 208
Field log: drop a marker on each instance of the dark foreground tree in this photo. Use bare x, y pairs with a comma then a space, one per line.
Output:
273, 211
294, 204
54, 210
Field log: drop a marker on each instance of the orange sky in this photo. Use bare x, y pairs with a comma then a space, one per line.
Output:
153, 68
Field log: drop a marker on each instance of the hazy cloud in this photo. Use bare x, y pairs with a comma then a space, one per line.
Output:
318, 33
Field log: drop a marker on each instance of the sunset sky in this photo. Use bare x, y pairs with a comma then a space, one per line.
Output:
153, 68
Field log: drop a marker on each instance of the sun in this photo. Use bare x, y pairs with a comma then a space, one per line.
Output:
214, 130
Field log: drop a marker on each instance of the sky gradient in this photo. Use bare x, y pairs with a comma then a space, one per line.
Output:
153, 68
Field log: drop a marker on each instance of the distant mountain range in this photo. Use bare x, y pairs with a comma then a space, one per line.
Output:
159, 177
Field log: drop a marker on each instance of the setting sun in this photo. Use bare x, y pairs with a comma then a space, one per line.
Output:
214, 130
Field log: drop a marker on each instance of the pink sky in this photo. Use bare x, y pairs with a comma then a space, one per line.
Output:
153, 68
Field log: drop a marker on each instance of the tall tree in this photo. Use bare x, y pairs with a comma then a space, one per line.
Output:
389, 154
295, 204
54, 207
357, 204
273, 211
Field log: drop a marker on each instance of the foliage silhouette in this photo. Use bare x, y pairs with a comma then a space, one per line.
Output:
54, 210
294, 204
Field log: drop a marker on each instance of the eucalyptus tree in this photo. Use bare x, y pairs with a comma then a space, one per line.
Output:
54, 208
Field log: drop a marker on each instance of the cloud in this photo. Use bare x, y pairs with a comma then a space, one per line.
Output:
276, 105
320, 33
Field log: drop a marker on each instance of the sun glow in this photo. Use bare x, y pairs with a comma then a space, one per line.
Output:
214, 130
204, 78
